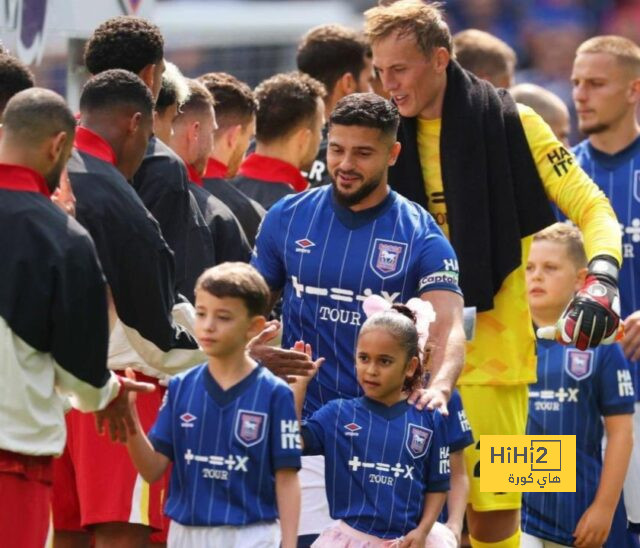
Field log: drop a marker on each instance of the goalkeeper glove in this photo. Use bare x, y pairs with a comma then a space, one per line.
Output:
593, 315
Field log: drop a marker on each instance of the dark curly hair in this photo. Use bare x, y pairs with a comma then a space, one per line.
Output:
114, 88
124, 42
400, 321
328, 52
14, 77
285, 102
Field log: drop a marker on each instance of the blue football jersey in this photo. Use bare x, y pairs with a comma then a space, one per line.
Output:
618, 176
226, 446
458, 427
327, 259
379, 462
575, 389
458, 433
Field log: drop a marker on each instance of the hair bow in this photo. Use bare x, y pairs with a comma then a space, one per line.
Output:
425, 314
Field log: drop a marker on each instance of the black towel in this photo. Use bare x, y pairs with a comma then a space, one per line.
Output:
492, 189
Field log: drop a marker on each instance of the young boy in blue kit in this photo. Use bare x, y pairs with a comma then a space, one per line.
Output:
229, 426
576, 391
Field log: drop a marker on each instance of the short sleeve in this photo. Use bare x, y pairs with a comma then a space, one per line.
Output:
616, 395
458, 427
267, 256
161, 433
438, 262
286, 448
437, 464
316, 427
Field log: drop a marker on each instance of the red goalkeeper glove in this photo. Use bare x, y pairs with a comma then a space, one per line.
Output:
593, 315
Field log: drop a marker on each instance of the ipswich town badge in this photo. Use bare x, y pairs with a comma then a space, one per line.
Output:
250, 427
418, 440
387, 258
578, 363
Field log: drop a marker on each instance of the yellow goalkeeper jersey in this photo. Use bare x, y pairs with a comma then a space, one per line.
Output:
503, 349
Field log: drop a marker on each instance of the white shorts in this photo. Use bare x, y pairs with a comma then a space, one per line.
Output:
314, 508
529, 541
632, 482
257, 535
341, 534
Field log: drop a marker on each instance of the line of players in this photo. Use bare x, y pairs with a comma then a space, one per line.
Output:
189, 227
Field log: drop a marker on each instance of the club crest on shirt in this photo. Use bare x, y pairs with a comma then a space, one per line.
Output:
636, 185
417, 440
387, 258
250, 427
578, 363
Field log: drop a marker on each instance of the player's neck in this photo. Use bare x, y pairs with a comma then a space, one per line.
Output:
616, 138
229, 370
390, 399
544, 317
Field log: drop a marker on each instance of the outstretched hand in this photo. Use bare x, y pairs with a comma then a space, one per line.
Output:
119, 412
301, 346
286, 364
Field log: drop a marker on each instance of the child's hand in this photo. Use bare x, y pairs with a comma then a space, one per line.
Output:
593, 527
456, 529
414, 539
301, 346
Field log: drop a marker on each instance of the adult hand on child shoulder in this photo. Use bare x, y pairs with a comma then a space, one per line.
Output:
432, 397
594, 526
284, 363
119, 414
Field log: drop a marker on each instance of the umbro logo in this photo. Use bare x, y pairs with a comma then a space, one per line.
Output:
187, 420
352, 429
302, 246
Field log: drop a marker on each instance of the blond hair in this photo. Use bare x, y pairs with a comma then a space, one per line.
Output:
484, 54
567, 235
409, 18
624, 50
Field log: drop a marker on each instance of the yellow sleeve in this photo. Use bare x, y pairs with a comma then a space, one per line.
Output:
571, 189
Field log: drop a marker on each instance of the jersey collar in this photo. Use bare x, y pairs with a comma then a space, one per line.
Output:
22, 179
612, 161
91, 143
224, 397
384, 411
273, 170
194, 176
215, 169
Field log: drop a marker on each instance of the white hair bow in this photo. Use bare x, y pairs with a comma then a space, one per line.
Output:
425, 314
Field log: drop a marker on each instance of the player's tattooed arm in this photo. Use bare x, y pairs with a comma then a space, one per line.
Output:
446, 359
287, 364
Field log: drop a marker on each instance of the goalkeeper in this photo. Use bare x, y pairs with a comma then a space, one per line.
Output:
486, 168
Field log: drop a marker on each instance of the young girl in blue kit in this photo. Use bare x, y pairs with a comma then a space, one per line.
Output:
386, 462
